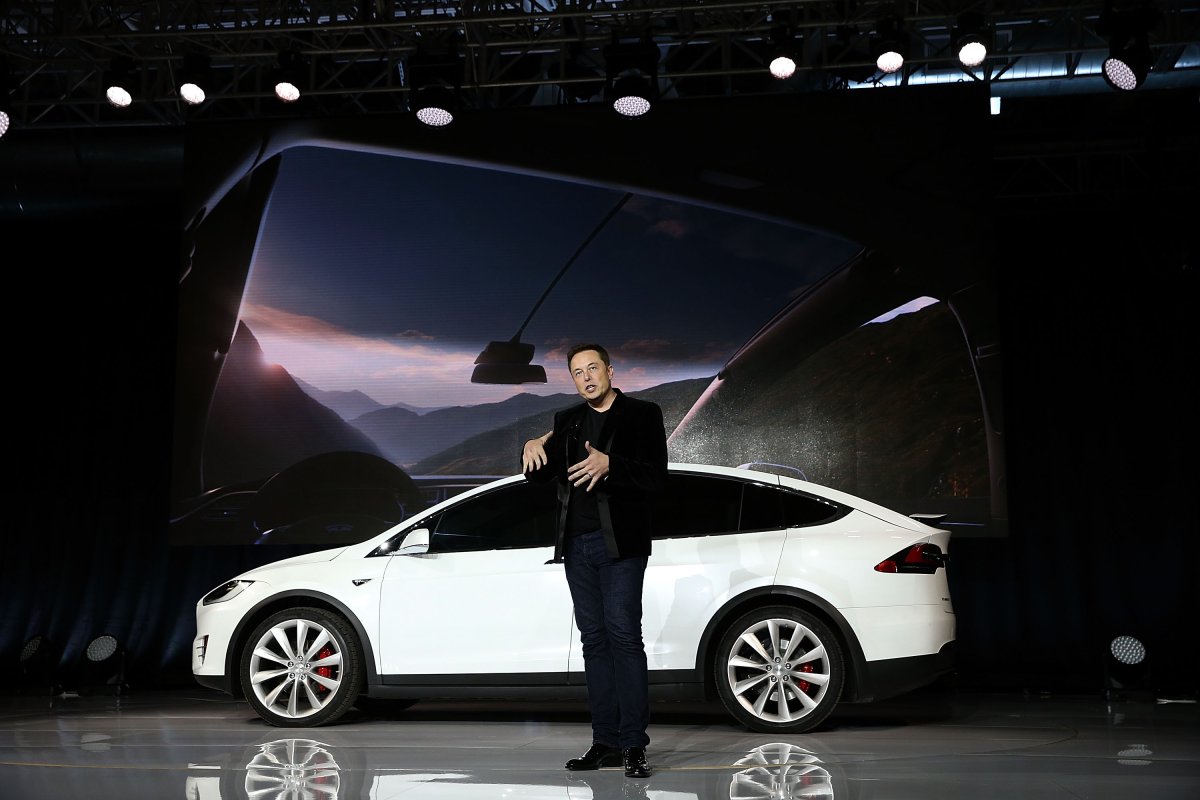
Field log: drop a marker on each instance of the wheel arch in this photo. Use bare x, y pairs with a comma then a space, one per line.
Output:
296, 598
856, 670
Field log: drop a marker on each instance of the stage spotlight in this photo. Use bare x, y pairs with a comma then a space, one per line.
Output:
118, 82
39, 665
1128, 61
889, 46
631, 77
1126, 665
6, 108
1129, 57
288, 76
103, 668
971, 38
196, 73
782, 54
434, 75
435, 105
631, 96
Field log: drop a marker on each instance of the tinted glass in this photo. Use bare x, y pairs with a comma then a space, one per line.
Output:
697, 505
762, 508
521, 515
800, 510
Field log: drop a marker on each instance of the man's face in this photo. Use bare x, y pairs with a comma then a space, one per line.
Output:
593, 379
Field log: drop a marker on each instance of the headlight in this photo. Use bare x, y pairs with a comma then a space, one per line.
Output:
226, 591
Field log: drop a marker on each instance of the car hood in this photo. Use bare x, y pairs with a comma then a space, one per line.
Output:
307, 558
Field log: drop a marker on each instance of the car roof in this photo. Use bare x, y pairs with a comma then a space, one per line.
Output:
680, 467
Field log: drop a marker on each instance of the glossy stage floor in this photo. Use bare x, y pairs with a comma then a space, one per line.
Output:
198, 745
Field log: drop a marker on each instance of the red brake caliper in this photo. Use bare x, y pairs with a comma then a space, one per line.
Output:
805, 685
324, 672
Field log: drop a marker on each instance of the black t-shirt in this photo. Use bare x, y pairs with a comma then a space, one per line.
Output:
583, 514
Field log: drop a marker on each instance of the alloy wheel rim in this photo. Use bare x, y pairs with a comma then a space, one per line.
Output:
777, 670
296, 668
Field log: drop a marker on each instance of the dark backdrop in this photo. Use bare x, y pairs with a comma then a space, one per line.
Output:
1093, 199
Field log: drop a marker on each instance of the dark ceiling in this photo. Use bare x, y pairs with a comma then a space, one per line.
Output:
358, 56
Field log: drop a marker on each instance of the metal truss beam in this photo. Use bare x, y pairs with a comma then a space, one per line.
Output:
527, 53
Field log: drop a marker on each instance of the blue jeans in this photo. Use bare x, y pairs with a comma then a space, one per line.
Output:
607, 594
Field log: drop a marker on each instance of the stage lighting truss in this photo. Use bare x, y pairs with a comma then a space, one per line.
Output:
535, 54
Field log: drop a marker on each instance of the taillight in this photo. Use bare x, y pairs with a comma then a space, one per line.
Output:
923, 559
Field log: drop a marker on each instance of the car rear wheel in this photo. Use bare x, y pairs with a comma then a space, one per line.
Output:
301, 668
779, 670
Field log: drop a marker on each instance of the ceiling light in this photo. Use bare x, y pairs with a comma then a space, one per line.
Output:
192, 79
435, 105
971, 37
1128, 61
118, 83
782, 53
6, 108
631, 76
889, 47
631, 96
1129, 57
288, 76
434, 75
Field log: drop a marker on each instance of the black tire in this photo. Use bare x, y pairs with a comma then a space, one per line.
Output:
312, 680
779, 670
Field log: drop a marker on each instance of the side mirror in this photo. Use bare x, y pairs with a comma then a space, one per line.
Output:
415, 543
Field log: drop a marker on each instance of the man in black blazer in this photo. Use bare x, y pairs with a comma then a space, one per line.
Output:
608, 455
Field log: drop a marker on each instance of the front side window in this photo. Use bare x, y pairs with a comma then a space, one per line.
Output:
515, 516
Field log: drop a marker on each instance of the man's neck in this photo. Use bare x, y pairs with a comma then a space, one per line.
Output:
604, 403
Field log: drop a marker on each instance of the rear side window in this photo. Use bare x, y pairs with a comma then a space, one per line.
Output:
520, 515
704, 505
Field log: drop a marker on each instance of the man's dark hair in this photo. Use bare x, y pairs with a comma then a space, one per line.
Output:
579, 348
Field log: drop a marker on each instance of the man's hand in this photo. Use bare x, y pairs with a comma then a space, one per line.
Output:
533, 454
591, 470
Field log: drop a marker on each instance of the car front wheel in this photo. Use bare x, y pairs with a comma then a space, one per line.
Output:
779, 670
301, 668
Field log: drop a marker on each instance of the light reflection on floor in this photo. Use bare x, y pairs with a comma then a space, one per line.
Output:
199, 745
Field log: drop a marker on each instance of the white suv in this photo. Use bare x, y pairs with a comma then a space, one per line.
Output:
779, 596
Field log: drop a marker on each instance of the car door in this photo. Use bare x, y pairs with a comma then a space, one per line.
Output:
483, 601
702, 556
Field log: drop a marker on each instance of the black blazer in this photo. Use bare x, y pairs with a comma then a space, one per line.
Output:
635, 441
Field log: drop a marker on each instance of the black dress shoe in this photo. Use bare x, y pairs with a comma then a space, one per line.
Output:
635, 762
597, 756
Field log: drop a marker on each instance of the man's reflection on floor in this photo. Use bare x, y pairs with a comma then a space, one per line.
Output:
305, 769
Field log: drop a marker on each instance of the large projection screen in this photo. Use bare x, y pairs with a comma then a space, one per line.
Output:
338, 294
